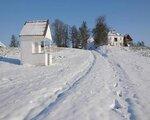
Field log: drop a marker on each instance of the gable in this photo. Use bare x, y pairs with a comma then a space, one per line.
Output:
35, 28
48, 33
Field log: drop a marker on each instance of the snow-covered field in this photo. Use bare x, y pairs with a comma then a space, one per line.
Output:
110, 83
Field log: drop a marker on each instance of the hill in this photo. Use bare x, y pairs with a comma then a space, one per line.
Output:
106, 83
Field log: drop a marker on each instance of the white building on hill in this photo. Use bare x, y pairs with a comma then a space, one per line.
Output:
115, 39
32, 35
90, 43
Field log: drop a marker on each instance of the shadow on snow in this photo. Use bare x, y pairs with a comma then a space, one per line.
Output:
10, 60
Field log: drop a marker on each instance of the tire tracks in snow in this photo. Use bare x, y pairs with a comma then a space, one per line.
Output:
62, 94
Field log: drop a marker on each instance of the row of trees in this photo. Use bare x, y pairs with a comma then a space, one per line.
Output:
73, 36
66, 36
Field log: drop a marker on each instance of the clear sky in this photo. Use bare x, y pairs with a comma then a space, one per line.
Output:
126, 16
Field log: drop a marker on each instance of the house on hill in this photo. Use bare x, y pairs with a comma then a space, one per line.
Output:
115, 39
127, 41
32, 36
90, 43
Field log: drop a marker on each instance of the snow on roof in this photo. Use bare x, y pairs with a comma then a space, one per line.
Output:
114, 33
2, 45
35, 28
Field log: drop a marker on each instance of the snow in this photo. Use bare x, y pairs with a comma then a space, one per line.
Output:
33, 28
25, 89
106, 83
115, 105
2, 45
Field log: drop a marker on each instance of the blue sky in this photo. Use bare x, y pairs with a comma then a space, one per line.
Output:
126, 16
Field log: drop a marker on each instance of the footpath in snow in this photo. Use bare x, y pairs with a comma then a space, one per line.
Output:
110, 83
108, 91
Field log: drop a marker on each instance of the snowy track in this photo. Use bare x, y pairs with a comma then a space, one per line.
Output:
131, 78
25, 91
121, 89
93, 96
83, 101
63, 95
110, 83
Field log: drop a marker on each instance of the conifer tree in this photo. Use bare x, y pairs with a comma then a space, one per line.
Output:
65, 35
84, 35
14, 42
75, 36
58, 32
100, 32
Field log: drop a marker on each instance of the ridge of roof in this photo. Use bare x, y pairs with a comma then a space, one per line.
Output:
36, 21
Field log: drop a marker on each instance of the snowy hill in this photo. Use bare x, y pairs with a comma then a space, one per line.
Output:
2, 45
110, 83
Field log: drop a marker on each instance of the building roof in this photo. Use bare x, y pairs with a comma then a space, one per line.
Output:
35, 28
128, 37
114, 33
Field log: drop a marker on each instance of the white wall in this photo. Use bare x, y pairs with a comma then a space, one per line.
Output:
27, 52
48, 34
38, 59
111, 40
30, 53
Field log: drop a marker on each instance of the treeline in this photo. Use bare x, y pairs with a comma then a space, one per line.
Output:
65, 35
72, 36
